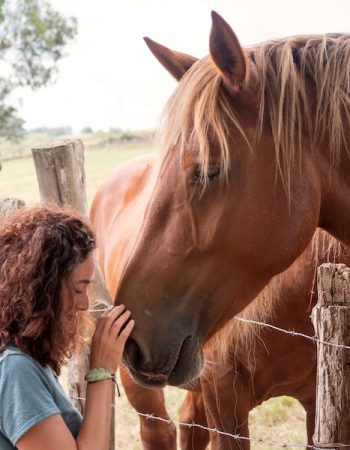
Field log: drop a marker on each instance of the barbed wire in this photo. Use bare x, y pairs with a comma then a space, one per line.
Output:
258, 441
272, 327
293, 333
210, 430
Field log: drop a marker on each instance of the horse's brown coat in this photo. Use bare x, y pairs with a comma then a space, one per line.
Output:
255, 157
247, 365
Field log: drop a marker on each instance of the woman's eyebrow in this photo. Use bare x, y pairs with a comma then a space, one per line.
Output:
84, 281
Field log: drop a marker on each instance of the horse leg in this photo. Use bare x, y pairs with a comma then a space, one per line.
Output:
226, 398
310, 424
310, 410
306, 395
155, 435
193, 411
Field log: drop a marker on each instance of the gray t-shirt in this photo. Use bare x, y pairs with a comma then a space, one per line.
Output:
29, 394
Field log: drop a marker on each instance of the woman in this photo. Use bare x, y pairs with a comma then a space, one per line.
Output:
46, 265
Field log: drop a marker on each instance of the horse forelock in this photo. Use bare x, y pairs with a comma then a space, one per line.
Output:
304, 91
239, 336
198, 114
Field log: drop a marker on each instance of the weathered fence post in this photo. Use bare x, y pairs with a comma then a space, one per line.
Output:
331, 320
61, 177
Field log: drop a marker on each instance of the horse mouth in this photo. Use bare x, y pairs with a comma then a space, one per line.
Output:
188, 365
148, 380
189, 362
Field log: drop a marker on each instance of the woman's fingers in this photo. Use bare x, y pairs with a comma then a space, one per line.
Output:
112, 322
112, 310
107, 310
125, 333
120, 322
107, 319
115, 311
109, 338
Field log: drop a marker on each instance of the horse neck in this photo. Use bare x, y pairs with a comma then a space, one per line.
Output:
285, 302
335, 183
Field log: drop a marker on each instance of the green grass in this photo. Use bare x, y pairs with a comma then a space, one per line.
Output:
18, 178
279, 420
99, 163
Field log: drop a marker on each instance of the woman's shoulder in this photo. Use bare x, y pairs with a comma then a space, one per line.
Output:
15, 355
18, 363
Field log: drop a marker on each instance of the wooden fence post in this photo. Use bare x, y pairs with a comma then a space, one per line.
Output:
61, 177
331, 320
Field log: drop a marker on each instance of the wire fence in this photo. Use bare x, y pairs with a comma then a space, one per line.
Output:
210, 430
269, 326
256, 441
293, 333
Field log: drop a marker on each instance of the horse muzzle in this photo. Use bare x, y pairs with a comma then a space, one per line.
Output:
173, 364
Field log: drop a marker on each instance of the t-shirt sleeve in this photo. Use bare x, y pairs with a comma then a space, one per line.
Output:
25, 397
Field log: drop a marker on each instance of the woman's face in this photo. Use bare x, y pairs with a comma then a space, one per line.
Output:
74, 289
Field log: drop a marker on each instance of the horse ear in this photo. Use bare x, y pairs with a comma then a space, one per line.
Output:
227, 53
175, 62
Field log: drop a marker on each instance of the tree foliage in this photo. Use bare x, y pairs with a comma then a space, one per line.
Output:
33, 37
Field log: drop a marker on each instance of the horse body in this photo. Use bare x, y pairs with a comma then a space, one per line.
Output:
270, 364
117, 212
258, 364
255, 156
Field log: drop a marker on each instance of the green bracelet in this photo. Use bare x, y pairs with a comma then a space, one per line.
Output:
100, 374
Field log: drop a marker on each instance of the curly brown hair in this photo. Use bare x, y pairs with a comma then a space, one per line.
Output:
39, 248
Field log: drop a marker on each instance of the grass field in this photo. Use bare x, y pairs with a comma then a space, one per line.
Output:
18, 177
279, 420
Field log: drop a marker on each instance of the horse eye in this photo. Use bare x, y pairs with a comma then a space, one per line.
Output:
197, 176
212, 173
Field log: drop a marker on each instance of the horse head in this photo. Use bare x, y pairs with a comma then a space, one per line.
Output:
237, 198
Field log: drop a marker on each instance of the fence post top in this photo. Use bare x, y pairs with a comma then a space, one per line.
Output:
61, 143
333, 281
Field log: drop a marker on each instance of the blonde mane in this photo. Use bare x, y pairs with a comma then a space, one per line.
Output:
241, 336
305, 91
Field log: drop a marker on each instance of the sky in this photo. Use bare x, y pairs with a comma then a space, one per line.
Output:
109, 78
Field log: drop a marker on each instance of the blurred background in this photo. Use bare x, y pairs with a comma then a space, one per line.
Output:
109, 79
81, 68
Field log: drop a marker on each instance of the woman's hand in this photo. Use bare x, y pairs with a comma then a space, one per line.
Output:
112, 331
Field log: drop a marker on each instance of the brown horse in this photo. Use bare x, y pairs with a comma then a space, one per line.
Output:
255, 156
259, 363
245, 365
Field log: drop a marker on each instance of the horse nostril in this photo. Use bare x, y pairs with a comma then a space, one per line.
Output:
133, 353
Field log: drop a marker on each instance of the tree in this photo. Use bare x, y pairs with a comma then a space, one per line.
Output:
32, 39
86, 130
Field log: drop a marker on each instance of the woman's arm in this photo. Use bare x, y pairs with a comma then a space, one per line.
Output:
52, 433
106, 351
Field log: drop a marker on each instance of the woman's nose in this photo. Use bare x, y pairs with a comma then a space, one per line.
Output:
83, 303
